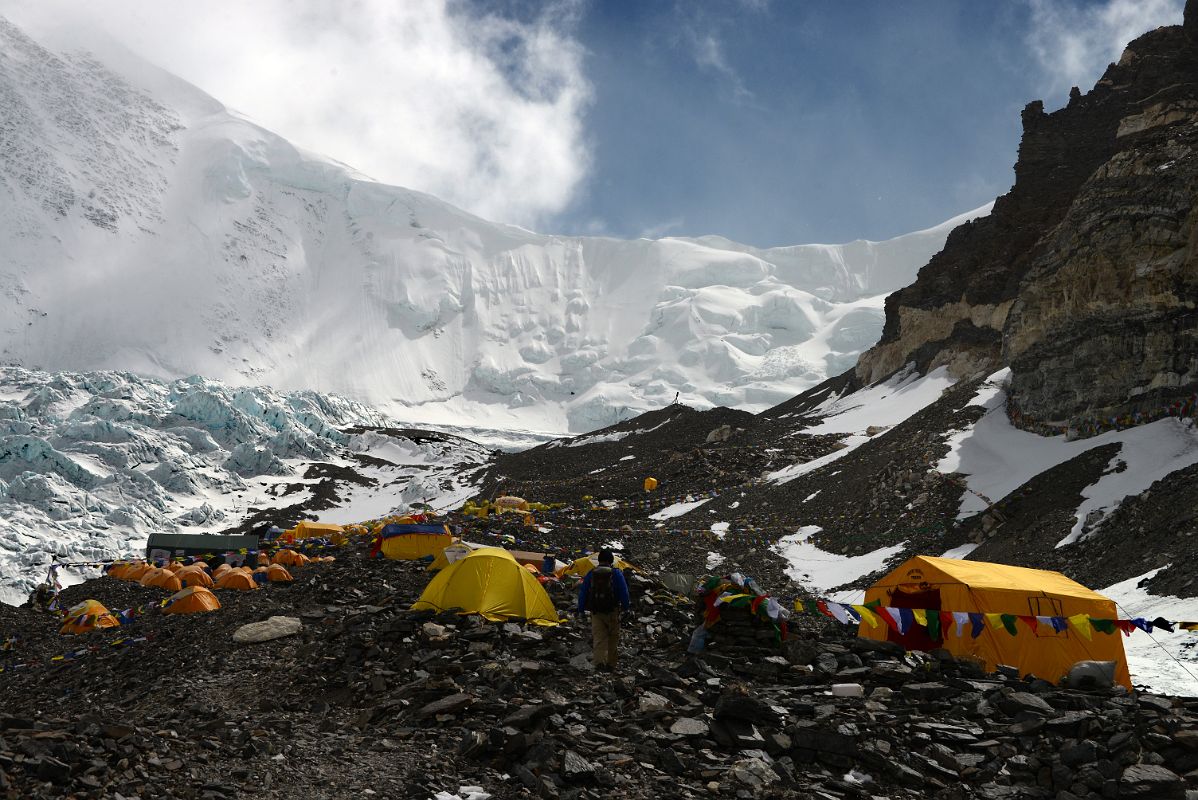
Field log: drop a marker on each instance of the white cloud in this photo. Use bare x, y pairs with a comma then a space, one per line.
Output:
1074, 42
482, 111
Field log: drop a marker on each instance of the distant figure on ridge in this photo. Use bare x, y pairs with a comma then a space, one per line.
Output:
604, 592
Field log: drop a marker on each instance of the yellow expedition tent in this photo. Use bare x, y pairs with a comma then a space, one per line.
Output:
413, 541
491, 583
192, 600
87, 616
950, 584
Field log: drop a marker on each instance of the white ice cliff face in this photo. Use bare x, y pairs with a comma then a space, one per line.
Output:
146, 228
91, 463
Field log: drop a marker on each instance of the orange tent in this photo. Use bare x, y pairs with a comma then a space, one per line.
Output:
193, 576
165, 579
136, 570
277, 573
87, 616
173, 566
263, 559
118, 569
192, 600
221, 571
200, 564
148, 577
291, 558
236, 579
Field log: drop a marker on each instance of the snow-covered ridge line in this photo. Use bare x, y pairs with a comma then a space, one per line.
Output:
149, 229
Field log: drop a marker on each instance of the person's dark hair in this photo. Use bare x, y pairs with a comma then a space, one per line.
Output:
606, 557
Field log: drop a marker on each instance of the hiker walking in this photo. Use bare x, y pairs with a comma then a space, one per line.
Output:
603, 593
41, 597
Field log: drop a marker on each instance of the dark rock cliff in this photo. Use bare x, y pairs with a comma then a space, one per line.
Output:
1083, 279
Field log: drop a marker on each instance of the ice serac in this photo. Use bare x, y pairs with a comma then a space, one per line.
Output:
1083, 279
147, 228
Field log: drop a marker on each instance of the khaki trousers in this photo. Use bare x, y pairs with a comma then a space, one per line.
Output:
605, 637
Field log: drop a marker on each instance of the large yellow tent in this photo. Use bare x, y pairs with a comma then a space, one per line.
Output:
491, 583
192, 600
950, 584
87, 616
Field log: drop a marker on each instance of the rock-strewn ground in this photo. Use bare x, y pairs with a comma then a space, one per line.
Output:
371, 699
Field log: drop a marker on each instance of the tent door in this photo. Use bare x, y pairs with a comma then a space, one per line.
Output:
916, 637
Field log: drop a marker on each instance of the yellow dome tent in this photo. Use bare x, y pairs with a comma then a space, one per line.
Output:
165, 579
491, 583
135, 571
87, 616
451, 553
950, 584
192, 600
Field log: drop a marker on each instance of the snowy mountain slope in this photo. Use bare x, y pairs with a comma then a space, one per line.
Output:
91, 463
147, 228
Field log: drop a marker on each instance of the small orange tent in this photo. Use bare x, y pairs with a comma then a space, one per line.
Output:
136, 570
277, 573
263, 559
165, 579
148, 577
87, 616
221, 571
290, 558
173, 566
193, 576
118, 569
192, 600
236, 579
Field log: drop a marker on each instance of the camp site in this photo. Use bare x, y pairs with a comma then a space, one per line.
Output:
585, 400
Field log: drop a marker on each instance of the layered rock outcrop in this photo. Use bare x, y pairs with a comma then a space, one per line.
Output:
1083, 279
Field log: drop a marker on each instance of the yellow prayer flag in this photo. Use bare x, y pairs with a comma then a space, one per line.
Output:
1082, 623
995, 621
867, 616
921, 616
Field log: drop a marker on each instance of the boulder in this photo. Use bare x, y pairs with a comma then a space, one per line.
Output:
267, 629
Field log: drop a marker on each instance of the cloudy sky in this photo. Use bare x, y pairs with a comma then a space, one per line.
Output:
767, 121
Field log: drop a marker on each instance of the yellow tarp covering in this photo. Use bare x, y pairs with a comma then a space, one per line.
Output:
977, 586
86, 616
491, 583
306, 529
192, 600
583, 565
412, 546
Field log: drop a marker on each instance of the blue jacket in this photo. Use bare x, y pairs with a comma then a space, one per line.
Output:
618, 586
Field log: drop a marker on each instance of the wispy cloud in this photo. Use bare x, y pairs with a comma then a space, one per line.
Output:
1073, 42
699, 34
481, 110
662, 228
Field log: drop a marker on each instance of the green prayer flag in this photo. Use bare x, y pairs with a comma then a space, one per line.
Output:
1105, 625
1008, 622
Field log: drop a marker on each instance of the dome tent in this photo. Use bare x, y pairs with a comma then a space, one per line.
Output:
192, 600
87, 616
949, 584
491, 583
